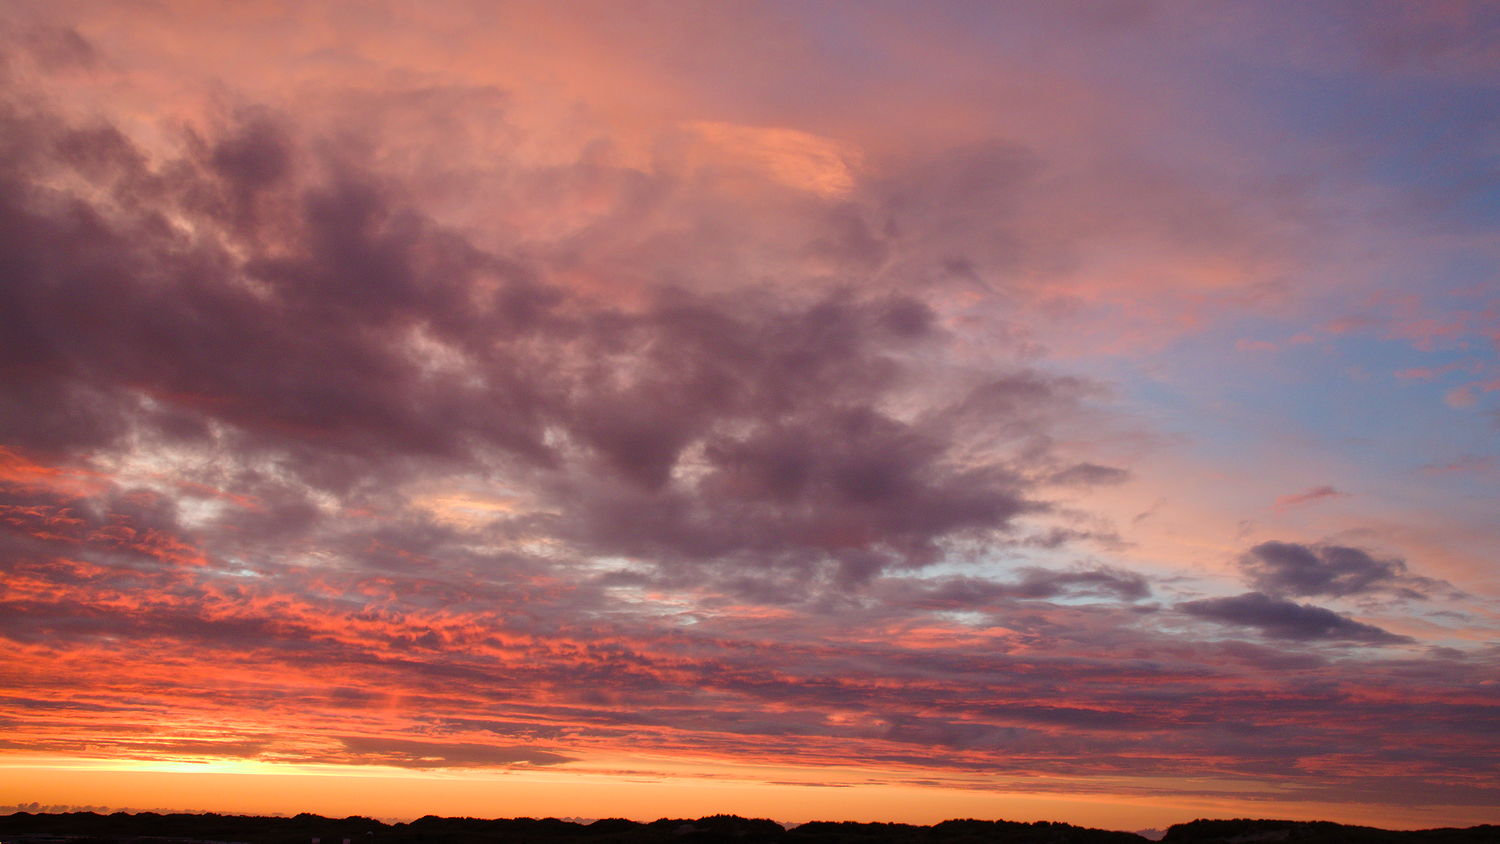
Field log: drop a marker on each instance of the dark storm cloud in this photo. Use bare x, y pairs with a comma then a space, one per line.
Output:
1284, 619
1335, 571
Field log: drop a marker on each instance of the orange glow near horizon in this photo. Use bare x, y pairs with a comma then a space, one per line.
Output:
391, 796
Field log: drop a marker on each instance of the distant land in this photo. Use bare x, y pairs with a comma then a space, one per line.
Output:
156, 828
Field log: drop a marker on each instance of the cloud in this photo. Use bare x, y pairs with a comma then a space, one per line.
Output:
405, 753
1089, 474
1335, 571
1035, 584
303, 313
1283, 619
1464, 464
1246, 345
1461, 397
1315, 494
796, 159
399, 405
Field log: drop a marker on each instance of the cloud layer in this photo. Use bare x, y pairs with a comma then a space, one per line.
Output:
431, 415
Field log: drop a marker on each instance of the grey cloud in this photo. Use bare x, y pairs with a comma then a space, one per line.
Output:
956, 734
1126, 585
1290, 568
1270, 658
716, 433
1284, 619
406, 753
1087, 474
1035, 583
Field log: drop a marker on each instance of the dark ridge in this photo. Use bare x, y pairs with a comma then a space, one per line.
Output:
1247, 831
156, 828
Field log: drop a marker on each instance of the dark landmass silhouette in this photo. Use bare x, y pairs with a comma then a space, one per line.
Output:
156, 828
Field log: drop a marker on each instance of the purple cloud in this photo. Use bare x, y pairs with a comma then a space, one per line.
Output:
1284, 619
1289, 568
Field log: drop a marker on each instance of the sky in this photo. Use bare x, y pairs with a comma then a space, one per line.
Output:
1083, 411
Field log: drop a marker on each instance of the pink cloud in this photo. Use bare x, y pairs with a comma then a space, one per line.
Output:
1426, 373
1315, 494
1464, 464
1460, 397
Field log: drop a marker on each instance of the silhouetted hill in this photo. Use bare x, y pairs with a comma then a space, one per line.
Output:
1244, 831
155, 828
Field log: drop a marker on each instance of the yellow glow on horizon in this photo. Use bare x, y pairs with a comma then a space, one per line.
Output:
392, 794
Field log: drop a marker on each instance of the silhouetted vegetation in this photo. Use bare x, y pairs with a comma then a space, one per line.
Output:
155, 828
1247, 831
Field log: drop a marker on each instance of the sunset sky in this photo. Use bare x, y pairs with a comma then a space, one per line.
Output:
1085, 411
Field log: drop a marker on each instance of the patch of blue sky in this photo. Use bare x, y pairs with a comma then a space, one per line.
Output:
1005, 559
1431, 137
1338, 395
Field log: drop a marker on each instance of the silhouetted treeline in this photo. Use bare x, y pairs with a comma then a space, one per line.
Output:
154, 828
1321, 832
